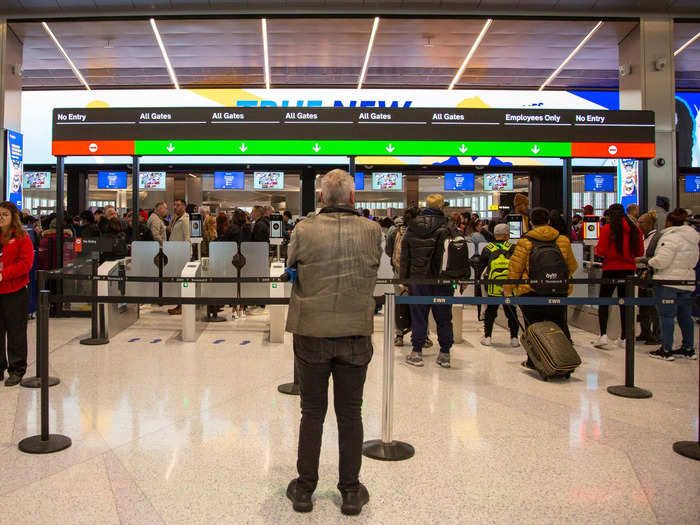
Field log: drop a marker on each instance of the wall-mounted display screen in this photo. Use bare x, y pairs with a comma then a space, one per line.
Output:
152, 180
599, 182
268, 180
111, 180
387, 181
359, 181
692, 183
498, 182
229, 180
459, 182
37, 180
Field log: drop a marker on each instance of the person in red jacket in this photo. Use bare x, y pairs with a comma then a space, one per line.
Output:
16, 259
619, 243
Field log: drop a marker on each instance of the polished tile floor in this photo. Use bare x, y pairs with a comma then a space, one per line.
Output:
171, 432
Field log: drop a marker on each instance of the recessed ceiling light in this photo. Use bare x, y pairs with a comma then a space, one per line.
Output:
168, 65
266, 53
469, 56
571, 55
689, 42
65, 55
369, 52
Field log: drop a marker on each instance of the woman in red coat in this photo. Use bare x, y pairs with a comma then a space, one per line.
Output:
16, 259
620, 242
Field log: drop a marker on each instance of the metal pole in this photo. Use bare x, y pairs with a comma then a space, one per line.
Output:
628, 389
46, 442
351, 165
385, 448
135, 163
60, 168
35, 382
566, 190
96, 335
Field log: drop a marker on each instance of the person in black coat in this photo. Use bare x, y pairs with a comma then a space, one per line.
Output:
261, 230
238, 231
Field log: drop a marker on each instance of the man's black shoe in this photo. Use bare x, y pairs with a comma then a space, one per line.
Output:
653, 341
301, 501
527, 364
13, 380
353, 501
642, 337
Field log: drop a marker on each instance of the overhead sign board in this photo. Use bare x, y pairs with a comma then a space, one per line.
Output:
353, 131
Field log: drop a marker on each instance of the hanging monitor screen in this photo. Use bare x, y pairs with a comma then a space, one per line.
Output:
599, 182
498, 182
111, 180
359, 181
692, 183
229, 180
37, 180
387, 181
459, 182
152, 180
268, 180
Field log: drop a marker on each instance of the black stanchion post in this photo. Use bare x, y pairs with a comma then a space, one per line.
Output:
44, 443
628, 389
691, 449
291, 389
35, 381
97, 336
386, 449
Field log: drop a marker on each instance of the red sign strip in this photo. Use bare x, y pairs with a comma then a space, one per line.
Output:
626, 150
92, 147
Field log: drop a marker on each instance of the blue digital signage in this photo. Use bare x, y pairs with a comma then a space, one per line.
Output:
229, 180
111, 180
14, 170
459, 182
359, 181
599, 182
692, 183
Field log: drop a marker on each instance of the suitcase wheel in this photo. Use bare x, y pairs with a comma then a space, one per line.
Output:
568, 375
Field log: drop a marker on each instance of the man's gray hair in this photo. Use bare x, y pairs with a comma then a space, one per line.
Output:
158, 205
204, 209
337, 187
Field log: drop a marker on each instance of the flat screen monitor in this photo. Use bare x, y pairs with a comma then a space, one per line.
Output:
152, 180
195, 226
591, 227
599, 182
37, 180
111, 180
387, 181
229, 180
459, 182
268, 180
515, 226
498, 182
359, 181
692, 183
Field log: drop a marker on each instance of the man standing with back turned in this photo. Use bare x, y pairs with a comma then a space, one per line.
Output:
331, 314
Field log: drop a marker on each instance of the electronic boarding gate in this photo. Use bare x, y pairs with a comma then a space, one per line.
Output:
349, 132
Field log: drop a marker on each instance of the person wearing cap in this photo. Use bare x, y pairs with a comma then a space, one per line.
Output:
521, 206
493, 264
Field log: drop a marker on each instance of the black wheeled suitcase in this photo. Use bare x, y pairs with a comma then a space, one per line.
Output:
549, 350
403, 318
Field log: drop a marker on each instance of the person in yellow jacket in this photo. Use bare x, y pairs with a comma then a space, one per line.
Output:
519, 268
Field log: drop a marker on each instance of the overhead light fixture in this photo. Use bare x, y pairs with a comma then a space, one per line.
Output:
168, 65
680, 49
65, 55
266, 53
369, 52
469, 56
571, 55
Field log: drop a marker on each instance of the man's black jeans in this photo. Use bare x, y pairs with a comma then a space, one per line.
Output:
315, 360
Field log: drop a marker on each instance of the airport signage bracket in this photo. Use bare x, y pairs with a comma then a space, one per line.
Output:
465, 132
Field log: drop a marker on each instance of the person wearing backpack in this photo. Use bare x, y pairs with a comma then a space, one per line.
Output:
542, 254
428, 251
493, 264
619, 244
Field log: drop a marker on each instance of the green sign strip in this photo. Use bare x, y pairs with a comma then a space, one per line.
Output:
353, 147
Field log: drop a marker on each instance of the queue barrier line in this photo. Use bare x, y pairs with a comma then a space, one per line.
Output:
539, 301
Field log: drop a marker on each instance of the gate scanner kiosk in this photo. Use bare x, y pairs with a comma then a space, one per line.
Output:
245, 131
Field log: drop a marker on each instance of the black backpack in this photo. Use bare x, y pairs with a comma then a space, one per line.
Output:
455, 261
548, 263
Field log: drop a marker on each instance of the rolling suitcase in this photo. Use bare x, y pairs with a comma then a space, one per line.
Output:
549, 350
403, 318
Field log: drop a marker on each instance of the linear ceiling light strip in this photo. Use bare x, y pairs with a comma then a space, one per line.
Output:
266, 53
168, 65
469, 56
369, 52
689, 42
571, 55
65, 55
